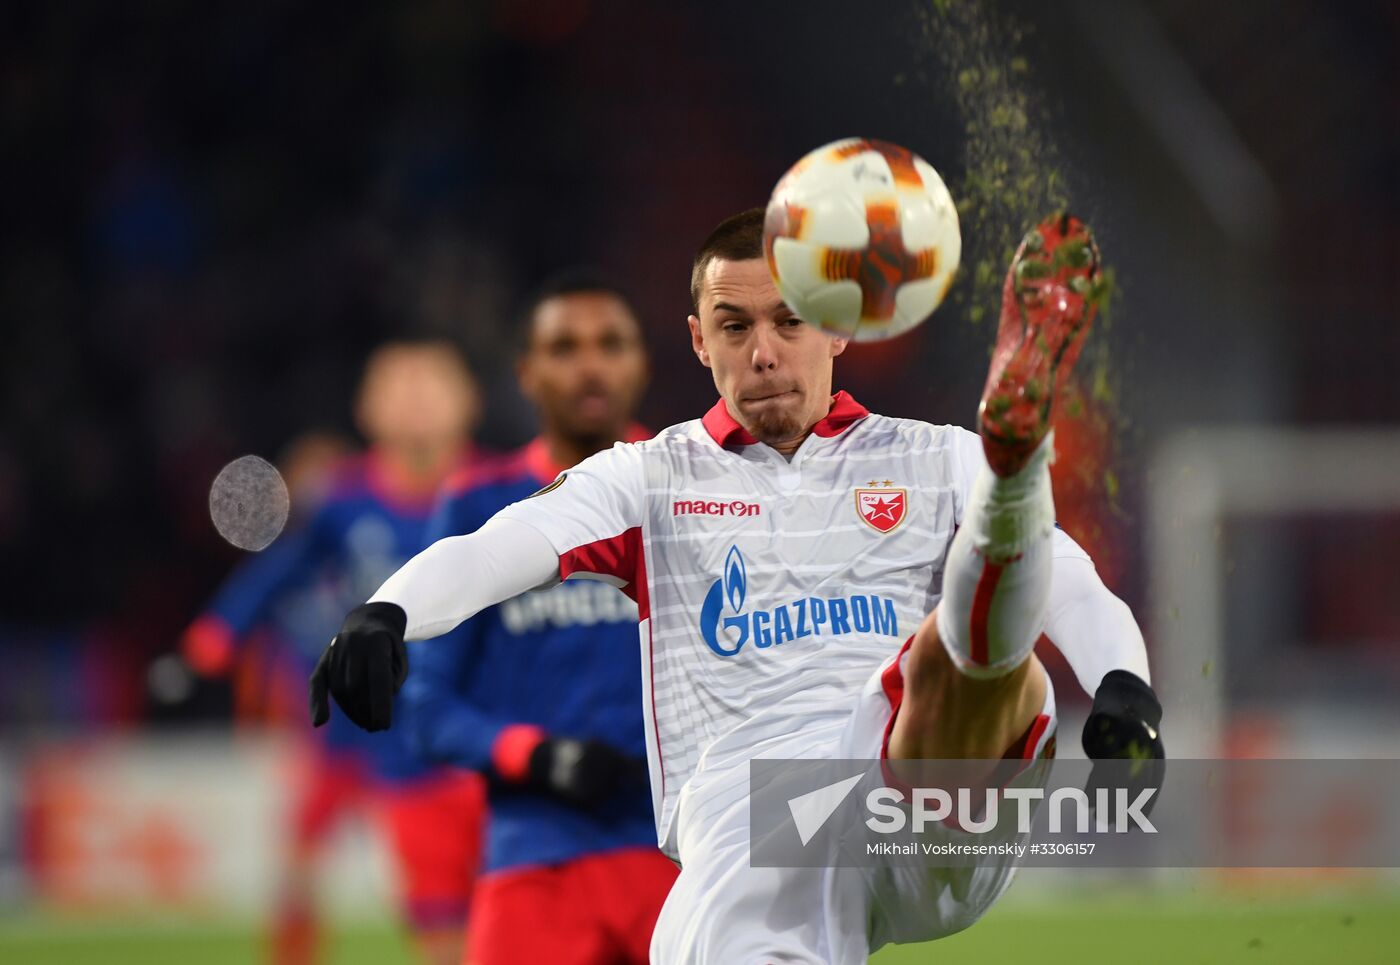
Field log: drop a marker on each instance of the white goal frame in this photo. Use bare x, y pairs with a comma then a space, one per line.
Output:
1199, 478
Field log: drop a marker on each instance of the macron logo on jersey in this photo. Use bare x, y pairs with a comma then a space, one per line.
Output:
703, 507
808, 616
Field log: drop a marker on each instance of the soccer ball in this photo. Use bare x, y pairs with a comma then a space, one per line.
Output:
862, 239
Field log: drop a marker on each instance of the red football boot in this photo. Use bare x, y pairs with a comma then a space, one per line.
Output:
1051, 294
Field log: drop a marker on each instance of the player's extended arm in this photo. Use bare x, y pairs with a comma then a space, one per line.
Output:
520, 548
453, 579
1103, 644
1089, 625
460, 576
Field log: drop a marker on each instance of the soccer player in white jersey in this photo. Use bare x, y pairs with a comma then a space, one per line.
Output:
813, 581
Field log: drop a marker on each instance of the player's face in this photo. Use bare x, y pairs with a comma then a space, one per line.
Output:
772, 369
417, 395
585, 368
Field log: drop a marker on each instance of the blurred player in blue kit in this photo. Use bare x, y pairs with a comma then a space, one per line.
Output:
541, 692
417, 406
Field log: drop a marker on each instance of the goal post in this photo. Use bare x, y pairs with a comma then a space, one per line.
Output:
1199, 479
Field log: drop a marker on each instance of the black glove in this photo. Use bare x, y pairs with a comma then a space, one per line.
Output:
364, 667
1123, 725
583, 772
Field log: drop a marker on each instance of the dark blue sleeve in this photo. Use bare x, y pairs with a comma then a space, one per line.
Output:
255, 584
441, 724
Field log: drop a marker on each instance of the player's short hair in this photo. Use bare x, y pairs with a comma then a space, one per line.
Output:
571, 281
737, 238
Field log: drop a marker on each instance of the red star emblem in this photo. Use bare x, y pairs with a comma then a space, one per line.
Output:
883, 509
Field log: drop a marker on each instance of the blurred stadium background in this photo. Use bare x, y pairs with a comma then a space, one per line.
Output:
210, 213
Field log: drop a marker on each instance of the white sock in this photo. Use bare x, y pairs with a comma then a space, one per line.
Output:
996, 581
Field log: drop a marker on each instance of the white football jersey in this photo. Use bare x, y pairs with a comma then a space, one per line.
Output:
768, 590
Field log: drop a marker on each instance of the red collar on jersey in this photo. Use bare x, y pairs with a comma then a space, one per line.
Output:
542, 465
844, 412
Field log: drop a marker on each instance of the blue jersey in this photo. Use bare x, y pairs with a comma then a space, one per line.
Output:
304, 583
564, 659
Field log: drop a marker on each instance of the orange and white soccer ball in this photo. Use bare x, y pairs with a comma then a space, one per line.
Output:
862, 239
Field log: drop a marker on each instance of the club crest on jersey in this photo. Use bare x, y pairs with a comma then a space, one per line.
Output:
881, 507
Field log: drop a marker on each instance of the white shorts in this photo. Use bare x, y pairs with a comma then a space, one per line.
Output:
721, 911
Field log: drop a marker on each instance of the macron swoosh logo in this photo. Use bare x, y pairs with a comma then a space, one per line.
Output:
811, 810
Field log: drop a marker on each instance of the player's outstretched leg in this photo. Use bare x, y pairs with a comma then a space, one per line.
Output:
970, 657
997, 579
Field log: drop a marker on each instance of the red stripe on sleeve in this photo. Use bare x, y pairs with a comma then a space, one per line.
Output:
621, 556
618, 556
